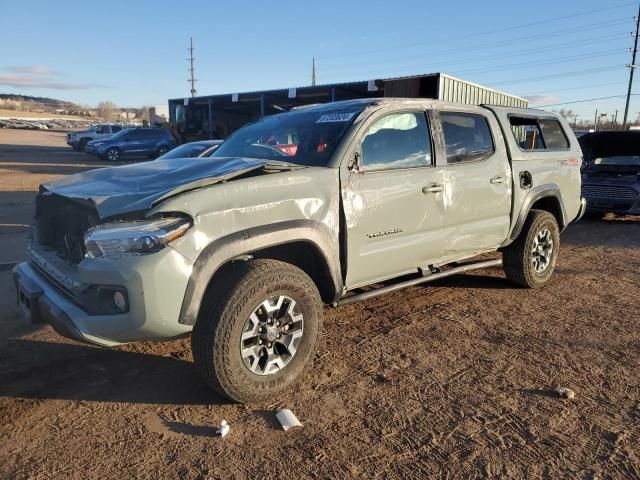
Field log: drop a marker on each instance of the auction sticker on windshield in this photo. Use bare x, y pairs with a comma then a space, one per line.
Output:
336, 117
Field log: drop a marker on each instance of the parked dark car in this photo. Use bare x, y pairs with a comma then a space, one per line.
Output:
611, 172
202, 148
149, 142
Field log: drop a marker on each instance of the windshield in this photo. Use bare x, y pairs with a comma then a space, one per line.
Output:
619, 160
303, 137
188, 150
120, 134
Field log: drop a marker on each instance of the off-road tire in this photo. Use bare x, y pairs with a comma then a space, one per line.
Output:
516, 257
215, 339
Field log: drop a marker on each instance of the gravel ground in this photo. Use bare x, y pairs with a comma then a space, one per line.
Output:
456, 379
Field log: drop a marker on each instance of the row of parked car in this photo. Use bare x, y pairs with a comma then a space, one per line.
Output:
44, 124
113, 142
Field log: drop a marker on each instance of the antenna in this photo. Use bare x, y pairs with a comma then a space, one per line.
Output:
191, 61
313, 73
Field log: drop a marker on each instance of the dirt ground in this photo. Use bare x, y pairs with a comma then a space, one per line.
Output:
452, 380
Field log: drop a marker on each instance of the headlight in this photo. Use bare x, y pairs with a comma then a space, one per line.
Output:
96, 144
114, 240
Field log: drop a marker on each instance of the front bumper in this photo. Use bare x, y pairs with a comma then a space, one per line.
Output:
155, 284
620, 198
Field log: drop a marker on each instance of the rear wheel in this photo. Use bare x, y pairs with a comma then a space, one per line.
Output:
162, 150
113, 154
531, 259
258, 330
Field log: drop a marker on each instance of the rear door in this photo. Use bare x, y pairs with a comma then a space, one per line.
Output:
133, 142
393, 201
477, 183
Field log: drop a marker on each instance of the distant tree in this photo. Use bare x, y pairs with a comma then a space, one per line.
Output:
107, 110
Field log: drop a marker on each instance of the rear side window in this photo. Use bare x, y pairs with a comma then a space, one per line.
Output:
398, 140
553, 134
538, 133
467, 137
116, 128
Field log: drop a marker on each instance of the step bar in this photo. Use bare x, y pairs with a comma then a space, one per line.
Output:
429, 277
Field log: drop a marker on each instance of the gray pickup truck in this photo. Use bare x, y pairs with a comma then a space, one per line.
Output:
291, 212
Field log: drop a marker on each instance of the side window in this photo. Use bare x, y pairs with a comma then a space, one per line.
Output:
103, 129
134, 135
527, 133
467, 137
116, 128
397, 140
553, 134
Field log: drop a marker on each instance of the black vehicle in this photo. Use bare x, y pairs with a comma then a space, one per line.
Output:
203, 148
611, 172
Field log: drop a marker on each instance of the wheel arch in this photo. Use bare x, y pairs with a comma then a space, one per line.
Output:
306, 244
546, 197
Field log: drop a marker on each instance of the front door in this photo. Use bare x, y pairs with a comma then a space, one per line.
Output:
393, 201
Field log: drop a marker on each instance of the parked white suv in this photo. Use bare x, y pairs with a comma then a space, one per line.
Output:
78, 140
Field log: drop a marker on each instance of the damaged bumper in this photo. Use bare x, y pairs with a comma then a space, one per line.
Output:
152, 286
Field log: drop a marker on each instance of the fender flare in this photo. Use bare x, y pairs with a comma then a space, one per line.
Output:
535, 194
243, 242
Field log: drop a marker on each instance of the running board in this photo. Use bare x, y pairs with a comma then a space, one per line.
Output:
417, 281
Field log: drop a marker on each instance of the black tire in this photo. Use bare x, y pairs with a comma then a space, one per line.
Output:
76, 147
162, 150
112, 154
518, 261
83, 143
216, 337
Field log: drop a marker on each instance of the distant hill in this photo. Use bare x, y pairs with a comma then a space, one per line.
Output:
40, 100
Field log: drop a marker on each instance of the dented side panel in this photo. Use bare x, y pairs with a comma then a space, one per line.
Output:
231, 207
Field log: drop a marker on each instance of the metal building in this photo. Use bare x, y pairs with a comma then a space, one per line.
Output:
216, 116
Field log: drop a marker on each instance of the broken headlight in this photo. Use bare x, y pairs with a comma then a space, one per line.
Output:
114, 240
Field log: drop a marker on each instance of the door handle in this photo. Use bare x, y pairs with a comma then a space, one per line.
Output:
435, 188
497, 179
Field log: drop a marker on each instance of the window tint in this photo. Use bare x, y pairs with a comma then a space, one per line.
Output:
103, 129
553, 134
399, 140
467, 137
135, 134
116, 128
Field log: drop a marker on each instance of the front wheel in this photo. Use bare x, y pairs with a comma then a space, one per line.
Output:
531, 259
258, 330
113, 154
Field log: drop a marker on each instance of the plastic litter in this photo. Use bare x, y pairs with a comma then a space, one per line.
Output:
287, 419
566, 393
223, 429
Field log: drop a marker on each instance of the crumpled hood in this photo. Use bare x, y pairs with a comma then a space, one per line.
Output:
137, 187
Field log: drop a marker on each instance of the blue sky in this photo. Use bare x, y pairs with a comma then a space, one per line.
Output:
135, 52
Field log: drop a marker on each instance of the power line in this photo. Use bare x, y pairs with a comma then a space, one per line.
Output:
581, 87
553, 61
507, 54
584, 100
561, 75
488, 32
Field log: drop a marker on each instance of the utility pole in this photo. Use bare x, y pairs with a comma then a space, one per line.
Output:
632, 68
575, 120
595, 122
313, 73
615, 121
191, 59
